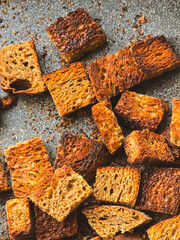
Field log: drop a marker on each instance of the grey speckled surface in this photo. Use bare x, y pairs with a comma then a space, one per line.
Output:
37, 116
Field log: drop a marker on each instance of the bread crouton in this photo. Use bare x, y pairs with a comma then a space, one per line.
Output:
127, 237
4, 184
175, 122
7, 101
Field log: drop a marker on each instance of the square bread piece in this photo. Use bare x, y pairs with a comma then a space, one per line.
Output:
175, 122
107, 220
140, 111
29, 166
118, 185
167, 229
66, 192
19, 219
149, 148
114, 73
70, 88
107, 124
49, 228
83, 155
4, 184
75, 35
19, 69
155, 56
160, 190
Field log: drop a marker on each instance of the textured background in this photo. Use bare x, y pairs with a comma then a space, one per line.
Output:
37, 116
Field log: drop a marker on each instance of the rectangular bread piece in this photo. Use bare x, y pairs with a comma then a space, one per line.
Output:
175, 122
140, 111
70, 88
149, 148
19, 219
29, 166
83, 155
118, 185
127, 237
4, 184
160, 190
75, 35
108, 126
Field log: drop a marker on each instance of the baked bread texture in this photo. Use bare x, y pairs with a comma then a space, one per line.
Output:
83, 155
70, 88
4, 184
146, 147
160, 190
19, 69
175, 122
118, 185
140, 111
75, 35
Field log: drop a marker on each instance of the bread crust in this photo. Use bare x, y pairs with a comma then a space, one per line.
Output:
175, 122
4, 184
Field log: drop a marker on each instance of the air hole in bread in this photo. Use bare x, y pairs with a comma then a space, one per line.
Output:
25, 64
31, 67
20, 84
111, 191
158, 54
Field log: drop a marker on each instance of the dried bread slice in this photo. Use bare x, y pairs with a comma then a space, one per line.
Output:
107, 220
4, 184
117, 185
175, 122
66, 192
70, 88
167, 229
127, 237
19, 69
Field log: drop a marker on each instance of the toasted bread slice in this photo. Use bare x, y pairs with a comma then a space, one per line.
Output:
75, 35
140, 111
155, 56
66, 192
160, 190
30, 167
167, 229
108, 220
127, 237
19, 219
83, 155
70, 88
108, 126
4, 184
19, 69
145, 147
175, 122
117, 185
49, 228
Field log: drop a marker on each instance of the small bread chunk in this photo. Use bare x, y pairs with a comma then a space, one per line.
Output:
19, 69
149, 148
155, 56
83, 155
70, 88
140, 111
4, 184
75, 35
7, 101
108, 220
114, 73
117, 185
30, 167
49, 228
66, 192
160, 190
108, 126
96, 238
127, 237
19, 219
175, 122
167, 229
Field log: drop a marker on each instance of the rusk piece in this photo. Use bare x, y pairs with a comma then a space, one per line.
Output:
19, 219
19, 69
167, 229
117, 185
30, 167
108, 126
67, 191
160, 190
4, 184
49, 228
145, 147
75, 35
7, 101
140, 111
175, 122
83, 155
70, 88
127, 237
96, 238
108, 220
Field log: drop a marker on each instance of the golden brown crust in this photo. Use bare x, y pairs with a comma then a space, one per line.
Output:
140, 111
75, 35
4, 184
175, 122
70, 88
160, 190
7, 101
